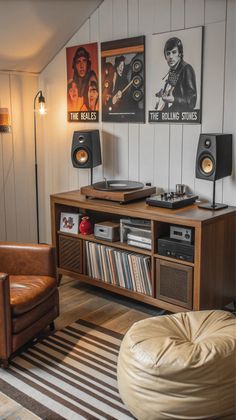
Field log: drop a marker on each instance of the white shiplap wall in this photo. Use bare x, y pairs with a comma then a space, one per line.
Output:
161, 153
17, 182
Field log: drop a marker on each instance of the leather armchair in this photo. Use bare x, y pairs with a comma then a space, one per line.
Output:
29, 300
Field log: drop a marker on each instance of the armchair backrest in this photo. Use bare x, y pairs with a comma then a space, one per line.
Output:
27, 259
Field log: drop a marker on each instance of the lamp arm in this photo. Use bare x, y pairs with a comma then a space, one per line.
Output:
37, 94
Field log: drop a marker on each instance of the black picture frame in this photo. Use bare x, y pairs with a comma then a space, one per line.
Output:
177, 77
123, 80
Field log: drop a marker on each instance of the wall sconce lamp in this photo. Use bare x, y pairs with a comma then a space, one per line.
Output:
42, 110
4, 121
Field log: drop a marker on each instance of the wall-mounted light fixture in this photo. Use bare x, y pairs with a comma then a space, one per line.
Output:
42, 110
4, 121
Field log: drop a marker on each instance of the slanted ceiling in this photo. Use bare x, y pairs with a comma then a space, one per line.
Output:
32, 32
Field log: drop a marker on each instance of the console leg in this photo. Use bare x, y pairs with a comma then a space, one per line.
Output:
5, 363
59, 277
52, 326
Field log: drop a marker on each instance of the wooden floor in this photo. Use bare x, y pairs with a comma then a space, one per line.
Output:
79, 300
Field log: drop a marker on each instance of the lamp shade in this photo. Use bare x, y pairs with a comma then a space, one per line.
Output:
4, 120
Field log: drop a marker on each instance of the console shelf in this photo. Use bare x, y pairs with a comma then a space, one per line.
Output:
119, 245
163, 281
162, 257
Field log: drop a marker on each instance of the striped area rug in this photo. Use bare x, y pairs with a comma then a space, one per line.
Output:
69, 375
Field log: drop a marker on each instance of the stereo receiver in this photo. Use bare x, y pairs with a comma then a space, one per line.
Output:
181, 233
174, 248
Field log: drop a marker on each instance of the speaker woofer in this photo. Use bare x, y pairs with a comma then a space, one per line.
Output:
207, 165
137, 81
137, 65
137, 95
82, 156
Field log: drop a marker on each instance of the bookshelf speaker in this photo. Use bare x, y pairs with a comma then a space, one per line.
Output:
214, 156
174, 283
85, 149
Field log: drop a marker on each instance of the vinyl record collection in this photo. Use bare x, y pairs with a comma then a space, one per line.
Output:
121, 268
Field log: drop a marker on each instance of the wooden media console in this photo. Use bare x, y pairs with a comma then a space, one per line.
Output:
165, 281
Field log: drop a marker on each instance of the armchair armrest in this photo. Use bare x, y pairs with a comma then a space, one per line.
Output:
5, 317
27, 259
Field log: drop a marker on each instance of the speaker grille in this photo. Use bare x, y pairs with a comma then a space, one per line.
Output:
174, 283
70, 253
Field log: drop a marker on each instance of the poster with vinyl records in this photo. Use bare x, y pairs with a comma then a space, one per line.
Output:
123, 80
176, 79
82, 83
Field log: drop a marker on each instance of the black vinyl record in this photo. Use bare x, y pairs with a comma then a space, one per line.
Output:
117, 185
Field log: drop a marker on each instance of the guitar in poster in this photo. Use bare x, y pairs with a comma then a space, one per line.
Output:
82, 83
176, 77
123, 77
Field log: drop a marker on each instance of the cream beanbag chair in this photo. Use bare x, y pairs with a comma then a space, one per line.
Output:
180, 366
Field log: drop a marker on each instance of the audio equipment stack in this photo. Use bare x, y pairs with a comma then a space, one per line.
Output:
171, 200
179, 245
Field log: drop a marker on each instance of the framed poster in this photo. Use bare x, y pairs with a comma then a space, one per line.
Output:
176, 76
123, 80
69, 222
82, 83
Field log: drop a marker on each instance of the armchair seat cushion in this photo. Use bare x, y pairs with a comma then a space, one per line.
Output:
20, 323
27, 292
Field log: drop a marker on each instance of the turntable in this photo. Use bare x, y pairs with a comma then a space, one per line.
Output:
122, 191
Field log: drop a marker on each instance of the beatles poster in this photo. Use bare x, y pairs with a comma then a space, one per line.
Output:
176, 77
82, 83
123, 80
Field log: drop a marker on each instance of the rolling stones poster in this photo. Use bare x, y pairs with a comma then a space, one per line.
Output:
123, 80
176, 77
82, 83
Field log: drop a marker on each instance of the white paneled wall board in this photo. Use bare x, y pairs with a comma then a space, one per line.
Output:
229, 122
190, 143
22, 87
133, 18
194, 13
2, 195
134, 147
214, 11
176, 153
161, 15
213, 93
177, 14
8, 165
163, 154
17, 176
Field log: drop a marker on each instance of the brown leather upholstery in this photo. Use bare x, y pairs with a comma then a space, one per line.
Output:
180, 366
29, 299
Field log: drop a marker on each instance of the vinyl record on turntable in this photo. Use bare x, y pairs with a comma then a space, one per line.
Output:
117, 185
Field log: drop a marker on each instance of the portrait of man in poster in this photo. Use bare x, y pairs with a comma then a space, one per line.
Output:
82, 83
178, 64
